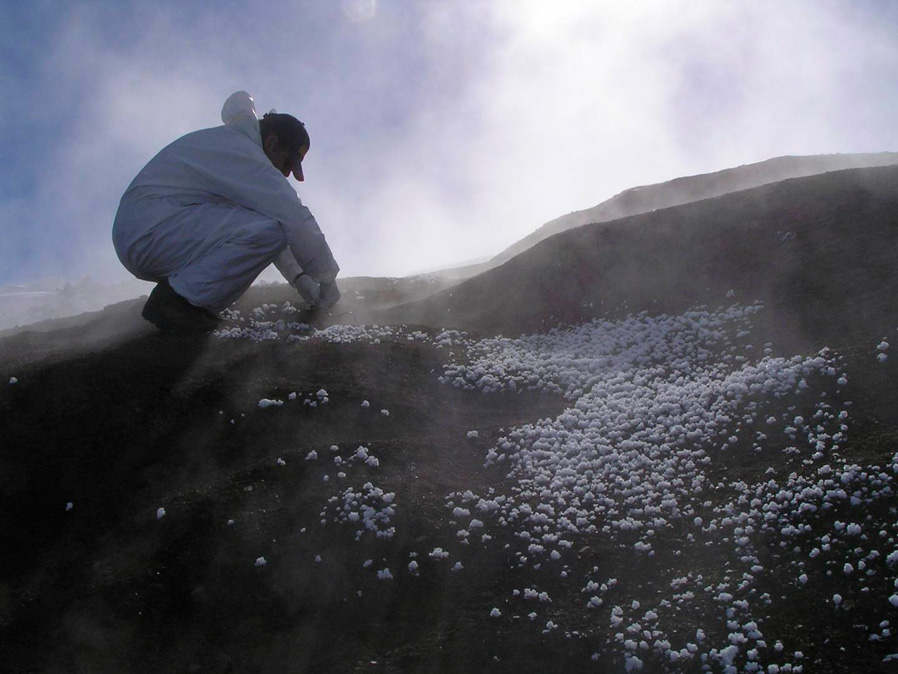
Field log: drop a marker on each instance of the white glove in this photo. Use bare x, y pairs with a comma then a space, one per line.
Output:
330, 295
308, 289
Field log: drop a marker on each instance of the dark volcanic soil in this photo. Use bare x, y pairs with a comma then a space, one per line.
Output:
174, 423
120, 421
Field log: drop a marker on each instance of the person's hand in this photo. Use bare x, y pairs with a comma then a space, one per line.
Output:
308, 289
330, 294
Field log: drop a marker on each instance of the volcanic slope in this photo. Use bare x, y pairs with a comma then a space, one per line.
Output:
695, 473
59, 338
680, 191
818, 251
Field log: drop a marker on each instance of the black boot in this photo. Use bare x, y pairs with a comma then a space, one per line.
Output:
170, 312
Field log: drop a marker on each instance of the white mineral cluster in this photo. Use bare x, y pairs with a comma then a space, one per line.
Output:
657, 407
273, 322
654, 403
369, 509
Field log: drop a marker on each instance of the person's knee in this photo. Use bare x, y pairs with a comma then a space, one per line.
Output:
265, 236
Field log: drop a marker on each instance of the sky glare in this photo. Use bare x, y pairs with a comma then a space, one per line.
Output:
441, 132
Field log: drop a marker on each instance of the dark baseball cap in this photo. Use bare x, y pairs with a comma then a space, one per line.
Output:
293, 134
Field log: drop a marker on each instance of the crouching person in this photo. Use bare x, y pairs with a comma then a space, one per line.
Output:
213, 209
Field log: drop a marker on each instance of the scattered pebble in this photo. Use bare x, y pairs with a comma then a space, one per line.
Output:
438, 553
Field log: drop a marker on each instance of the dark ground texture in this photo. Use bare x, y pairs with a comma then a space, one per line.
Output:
120, 421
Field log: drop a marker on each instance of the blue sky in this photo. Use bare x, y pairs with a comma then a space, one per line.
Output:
441, 131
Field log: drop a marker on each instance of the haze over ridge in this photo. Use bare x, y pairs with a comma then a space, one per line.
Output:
53, 298
642, 199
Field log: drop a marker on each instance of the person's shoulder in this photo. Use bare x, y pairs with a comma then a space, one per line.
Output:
215, 136
211, 132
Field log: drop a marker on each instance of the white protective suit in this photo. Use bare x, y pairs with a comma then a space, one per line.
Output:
210, 212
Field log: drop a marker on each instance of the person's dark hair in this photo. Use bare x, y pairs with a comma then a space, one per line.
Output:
287, 128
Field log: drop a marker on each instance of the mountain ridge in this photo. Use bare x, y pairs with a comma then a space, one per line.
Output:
692, 251
685, 189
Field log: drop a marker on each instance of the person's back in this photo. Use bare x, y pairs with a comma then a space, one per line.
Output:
208, 213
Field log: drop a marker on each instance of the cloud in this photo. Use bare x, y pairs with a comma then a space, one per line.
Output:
567, 105
440, 132
586, 99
